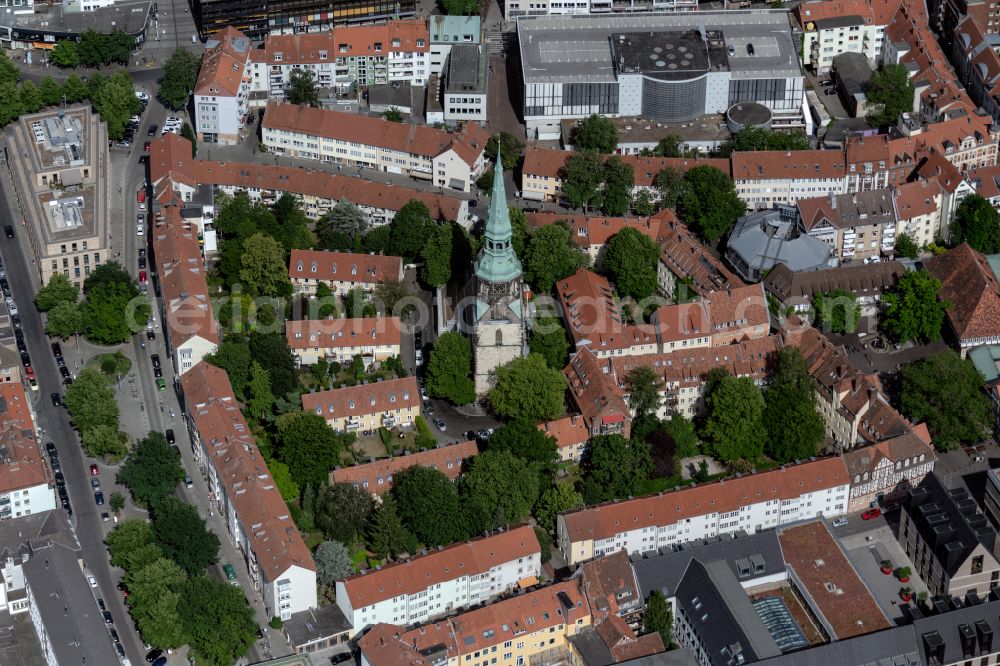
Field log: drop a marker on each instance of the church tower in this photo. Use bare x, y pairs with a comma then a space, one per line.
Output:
498, 316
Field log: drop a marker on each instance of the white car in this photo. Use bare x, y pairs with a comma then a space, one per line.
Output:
11, 306
141, 95
91, 580
139, 230
840, 522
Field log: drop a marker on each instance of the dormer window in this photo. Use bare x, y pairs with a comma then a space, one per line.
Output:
395, 42
319, 410
351, 404
354, 269
314, 267
334, 269
342, 48
322, 55
392, 397
378, 47
298, 266
277, 57
420, 43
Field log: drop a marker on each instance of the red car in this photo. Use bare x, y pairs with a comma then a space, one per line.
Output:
93, 470
142, 277
145, 147
140, 195
871, 513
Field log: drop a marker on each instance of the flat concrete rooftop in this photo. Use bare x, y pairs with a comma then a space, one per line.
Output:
581, 49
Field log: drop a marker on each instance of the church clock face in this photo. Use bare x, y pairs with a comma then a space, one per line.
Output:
499, 289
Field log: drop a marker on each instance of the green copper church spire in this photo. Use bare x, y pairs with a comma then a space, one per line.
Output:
497, 261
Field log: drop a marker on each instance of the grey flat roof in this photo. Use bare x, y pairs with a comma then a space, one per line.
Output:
894, 647
578, 48
67, 607
127, 17
466, 69
36, 528
316, 624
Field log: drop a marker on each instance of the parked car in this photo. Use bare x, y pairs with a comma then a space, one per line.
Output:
142, 277
56, 349
8, 231
874, 512
120, 650
107, 618
139, 230
152, 130
153, 655
439, 422
60, 480
155, 359
170, 436
94, 470
840, 522
188, 482
64, 371
95, 482
56, 400
99, 498
140, 194
91, 580
50, 448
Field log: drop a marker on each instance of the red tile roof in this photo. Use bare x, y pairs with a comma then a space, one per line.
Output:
587, 230
378, 474
469, 142
471, 558
360, 399
917, 198
597, 395
819, 10
21, 466
738, 308
344, 267
602, 521
358, 40
968, 283
549, 162
682, 321
815, 556
222, 66
343, 332
686, 257
567, 431
230, 447
791, 164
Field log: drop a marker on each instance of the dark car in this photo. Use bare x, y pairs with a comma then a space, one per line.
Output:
153, 655
56, 400
341, 658
65, 503
750, 49
60, 480
16, 320
157, 372
56, 349
22, 346
107, 618
152, 130
142, 262
51, 449
67, 381
99, 498
100, 604
54, 462
114, 635
155, 359
8, 231
150, 334
120, 650
62, 493
60, 361
162, 661
170, 436
25, 359
64, 371
142, 252
18, 334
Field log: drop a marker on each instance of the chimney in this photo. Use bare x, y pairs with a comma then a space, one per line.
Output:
985, 635
833, 200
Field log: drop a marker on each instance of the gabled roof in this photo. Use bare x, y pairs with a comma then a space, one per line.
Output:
969, 284
897, 449
568, 431
376, 476
345, 41
588, 230
862, 280
226, 55
687, 258
344, 267
21, 465
362, 399
343, 332
597, 395
790, 164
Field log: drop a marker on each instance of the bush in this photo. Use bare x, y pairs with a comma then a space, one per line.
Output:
275, 622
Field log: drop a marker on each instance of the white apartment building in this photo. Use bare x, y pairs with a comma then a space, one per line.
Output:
222, 93
749, 503
764, 179
441, 581
26, 483
447, 159
832, 27
514, 8
341, 271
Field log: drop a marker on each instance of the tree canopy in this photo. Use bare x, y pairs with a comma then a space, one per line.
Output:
333, 563
428, 505
912, 308
386, 534
978, 224
614, 468
502, 485
557, 499
302, 88
449, 369
548, 338
582, 175
58, 290
644, 389
511, 149
218, 622
709, 203
596, 133
946, 391
734, 419
837, 311
309, 446
152, 471
180, 74
890, 94
527, 441
90, 400
550, 256
795, 430
410, 229
757, 138
630, 259
526, 387
182, 535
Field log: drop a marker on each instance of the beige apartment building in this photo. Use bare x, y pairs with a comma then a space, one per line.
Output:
59, 165
368, 406
372, 338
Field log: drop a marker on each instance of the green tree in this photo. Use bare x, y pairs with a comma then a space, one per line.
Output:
734, 421
595, 133
181, 534
906, 246
946, 391
460, 7
264, 272
978, 224
116, 102
519, 227
261, 398
644, 390
557, 499
671, 145
890, 94
630, 259
393, 115
336, 230
548, 338
333, 563
672, 186
510, 147
614, 468
912, 309
152, 471
527, 388
342, 511
449, 369
524, 439
116, 502
386, 534
643, 203
550, 257
436, 255
233, 356
58, 290
74, 89
218, 622
127, 538
658, 617
65, 54
710, 203
272, 352
31, 97
114, 365
154, 600
90, 400
681, 431
309, 446
50, 90
428, 505
188, 133
837, 311
582, 176
795, 430
410, 229
109, 313
119, 47
756, 138
289, 490
64, 321
10, 103
501, 484
180, 74
619, 181
302, 88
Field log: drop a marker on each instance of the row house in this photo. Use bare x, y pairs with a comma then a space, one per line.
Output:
858, 226
597, 396
721, 318
531, 628
374, 339
245, 495
886, 470
341, 271
442, 581
347, 56
447, 159
376, 476
571, 435
367, 406
918, 207
591, 233
317, 192
27, 485
970, 285
839, 26
766, 178
686, 265
222, 92
867, 282
977, 65
749, 503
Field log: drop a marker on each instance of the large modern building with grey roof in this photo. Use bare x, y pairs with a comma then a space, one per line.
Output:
768, 237
663, 67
